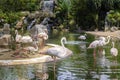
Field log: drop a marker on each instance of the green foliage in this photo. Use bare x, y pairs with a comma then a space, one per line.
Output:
18, 5
113, 18
117, 4
10, 17
84, 13
10, 9
88, 13
80, 13
63, 9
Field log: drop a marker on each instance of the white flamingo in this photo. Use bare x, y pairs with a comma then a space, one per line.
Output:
57, 51
32, 49
43, 35
26, 39
22, 39
98, 43
102, 38
113, 50
94, 45
82, 37
18, 37
103, 42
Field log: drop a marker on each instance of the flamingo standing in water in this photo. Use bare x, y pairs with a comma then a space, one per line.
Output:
102, 43
99, 43
57, 51
94, 45
113, 50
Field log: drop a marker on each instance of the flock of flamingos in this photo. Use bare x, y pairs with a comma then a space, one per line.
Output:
57, 50
100, 43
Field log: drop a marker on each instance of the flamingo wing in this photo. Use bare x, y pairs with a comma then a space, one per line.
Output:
94, 44
26, 39
56, 51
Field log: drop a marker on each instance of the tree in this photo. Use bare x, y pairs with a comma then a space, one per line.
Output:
113, 18
18, 5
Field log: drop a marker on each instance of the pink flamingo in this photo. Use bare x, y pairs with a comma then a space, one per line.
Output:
113, 50
82, 37
99, 43
57, 51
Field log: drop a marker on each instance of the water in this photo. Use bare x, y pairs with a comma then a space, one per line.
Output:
80, 66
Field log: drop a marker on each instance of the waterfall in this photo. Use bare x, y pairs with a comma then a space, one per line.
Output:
48, 5
31, 24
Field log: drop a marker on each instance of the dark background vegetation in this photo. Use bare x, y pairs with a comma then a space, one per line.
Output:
72, 14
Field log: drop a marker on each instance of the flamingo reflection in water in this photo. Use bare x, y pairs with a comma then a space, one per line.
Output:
57, 51
103, 61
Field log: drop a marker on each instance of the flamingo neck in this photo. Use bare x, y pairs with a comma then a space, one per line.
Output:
16, 32
63, 40
108, 39
64, 49
113, 44
35, 46
62, 44
46, 36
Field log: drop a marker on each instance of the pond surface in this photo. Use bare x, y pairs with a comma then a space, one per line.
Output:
80, 66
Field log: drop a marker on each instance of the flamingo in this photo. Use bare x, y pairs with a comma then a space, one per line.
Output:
102, 38
32, 49
26, 39
22, 39
44, 37
98, 43
82, 37
113, 50
57, 51
18, 37
103, 42
94, 45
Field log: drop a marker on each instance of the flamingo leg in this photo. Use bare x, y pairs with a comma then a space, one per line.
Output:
100, 51
94, 52
94, 56
54, 58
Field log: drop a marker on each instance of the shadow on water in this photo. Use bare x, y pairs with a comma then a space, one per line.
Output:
80, 66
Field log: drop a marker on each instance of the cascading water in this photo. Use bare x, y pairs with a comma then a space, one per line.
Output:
48, 5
